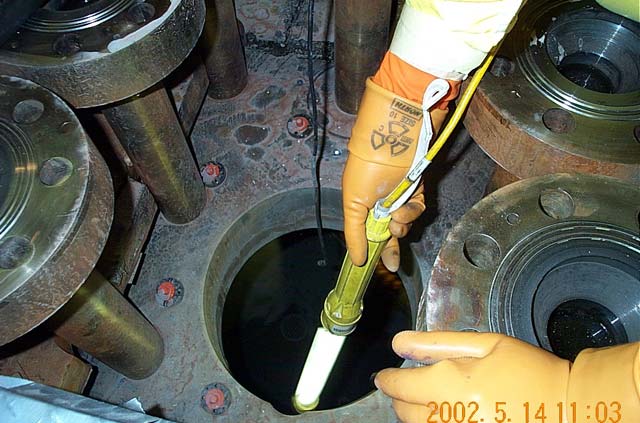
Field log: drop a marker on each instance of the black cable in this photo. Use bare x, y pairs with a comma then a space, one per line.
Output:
318, 144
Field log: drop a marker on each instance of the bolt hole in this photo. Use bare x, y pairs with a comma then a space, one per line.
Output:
502, 67
55, 171
141, 13
557, 203
66, 127
28, 111
14, 252
513, 218
482, 251
559, 121
67, 45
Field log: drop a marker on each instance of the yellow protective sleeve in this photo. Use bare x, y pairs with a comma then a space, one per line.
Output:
609, 376
450, 38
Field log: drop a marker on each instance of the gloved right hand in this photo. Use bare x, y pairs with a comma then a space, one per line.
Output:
381, 149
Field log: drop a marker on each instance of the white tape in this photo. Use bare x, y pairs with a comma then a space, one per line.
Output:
449, 38
436, 90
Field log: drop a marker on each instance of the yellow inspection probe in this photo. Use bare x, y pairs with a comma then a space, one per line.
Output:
343, 306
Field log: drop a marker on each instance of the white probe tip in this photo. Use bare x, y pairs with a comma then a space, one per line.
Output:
322, 356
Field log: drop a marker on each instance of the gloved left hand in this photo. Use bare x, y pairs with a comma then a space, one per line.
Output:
484, 375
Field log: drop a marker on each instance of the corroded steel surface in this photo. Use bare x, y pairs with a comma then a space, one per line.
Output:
59, 204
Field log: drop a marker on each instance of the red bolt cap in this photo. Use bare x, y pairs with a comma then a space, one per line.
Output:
213, 170
214, 398
166, 290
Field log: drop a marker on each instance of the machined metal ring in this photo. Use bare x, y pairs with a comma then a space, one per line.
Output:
564, 94
538, 259
104, 51
56, 205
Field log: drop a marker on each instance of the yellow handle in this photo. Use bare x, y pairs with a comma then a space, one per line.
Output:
343, 306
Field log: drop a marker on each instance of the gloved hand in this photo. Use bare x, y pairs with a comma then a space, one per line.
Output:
486, 368
381, 149
497, 374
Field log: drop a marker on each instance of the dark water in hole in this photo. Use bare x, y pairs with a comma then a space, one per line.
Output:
273, 309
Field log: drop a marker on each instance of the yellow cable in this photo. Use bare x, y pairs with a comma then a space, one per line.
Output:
462, 105
465, 98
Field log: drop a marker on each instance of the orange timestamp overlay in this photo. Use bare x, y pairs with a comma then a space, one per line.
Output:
526, 412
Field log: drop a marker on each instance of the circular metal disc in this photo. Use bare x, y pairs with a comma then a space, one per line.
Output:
528, 248
564, 94
68, 54
56, 205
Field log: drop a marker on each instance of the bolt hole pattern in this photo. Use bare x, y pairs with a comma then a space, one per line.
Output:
482, 251
55, 171
557, 203
559, 121
14, 252
67, 45
28, 111
66, 127
502, 67
141, 13
512, 218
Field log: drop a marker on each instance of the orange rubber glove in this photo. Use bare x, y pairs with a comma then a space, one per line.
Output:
381, 149
491, 376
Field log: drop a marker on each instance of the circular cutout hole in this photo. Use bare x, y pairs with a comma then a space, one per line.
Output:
482, 251
273, 308
578, 324
559, 121
557, 203
571, 287
67, 45
636, 133
141, 13
14, 252
502, 67
591, 48
513, 218
66, 127
28, 111
55, 171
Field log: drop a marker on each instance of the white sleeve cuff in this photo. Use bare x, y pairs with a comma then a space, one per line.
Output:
450, 38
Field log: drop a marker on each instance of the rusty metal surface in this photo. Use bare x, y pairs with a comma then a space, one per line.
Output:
248, 135
101, 322
60, 203
133, 220
362, 38
532, 120
42, 360
138, 52
499, 179
474, 281
188, 88
152, 137
223, 51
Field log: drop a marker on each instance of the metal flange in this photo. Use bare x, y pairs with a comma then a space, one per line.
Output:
104, 51
535, 254
56, 205
564, 94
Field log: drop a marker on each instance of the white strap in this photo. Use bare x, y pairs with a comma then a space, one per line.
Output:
436, 90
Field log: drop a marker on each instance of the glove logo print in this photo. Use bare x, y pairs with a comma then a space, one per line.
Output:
394, 135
